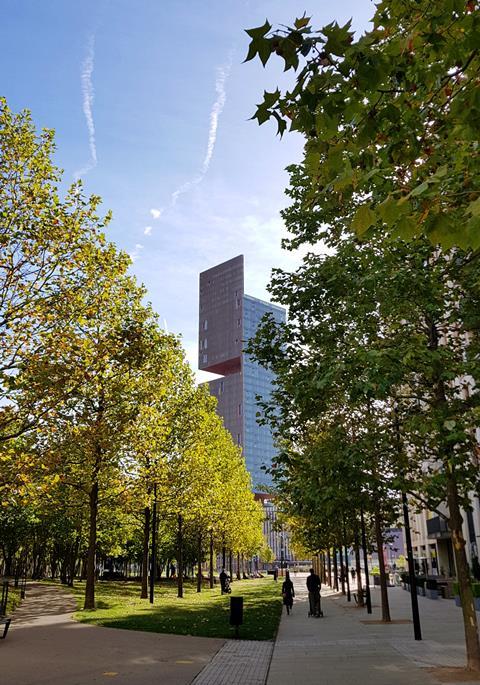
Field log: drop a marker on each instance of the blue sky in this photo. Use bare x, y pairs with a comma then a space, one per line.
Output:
149, 98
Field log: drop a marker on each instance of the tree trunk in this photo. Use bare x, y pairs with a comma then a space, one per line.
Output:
180, 557
329, 564
146, 542
358, 569
211, 560
92, 548
199, 564
239, 576
381, 564
73, 561
463, 575
342, 573
335, 570
230, 564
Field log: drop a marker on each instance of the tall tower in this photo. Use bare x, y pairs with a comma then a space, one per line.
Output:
228, 319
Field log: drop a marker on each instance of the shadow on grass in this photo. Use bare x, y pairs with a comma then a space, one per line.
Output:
203, 614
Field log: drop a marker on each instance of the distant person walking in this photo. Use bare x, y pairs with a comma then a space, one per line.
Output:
288, 592
313, 587
224, 582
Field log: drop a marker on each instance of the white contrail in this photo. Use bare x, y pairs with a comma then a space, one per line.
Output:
223, 73
88, 94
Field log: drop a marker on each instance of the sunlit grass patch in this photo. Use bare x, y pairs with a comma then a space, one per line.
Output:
202, 614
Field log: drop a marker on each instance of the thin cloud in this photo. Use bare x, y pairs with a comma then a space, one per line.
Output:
135, 254
156, 213
222, 74
147, 230
88, 95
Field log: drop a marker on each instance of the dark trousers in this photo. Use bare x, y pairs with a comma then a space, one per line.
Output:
314, 599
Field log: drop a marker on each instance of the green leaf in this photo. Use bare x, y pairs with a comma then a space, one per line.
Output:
439, 230
474, 208
302, 22
389, 210
259, 31
262, 114
419, 189
269, 99
363, 219
406, 227
264, 50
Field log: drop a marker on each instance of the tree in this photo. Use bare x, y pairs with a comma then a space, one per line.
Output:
47, 245
105, 352
382, 325
390, 118
389, 156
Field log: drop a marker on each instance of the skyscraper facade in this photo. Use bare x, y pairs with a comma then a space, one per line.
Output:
228, 319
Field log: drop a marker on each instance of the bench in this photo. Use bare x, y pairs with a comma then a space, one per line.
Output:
5, 621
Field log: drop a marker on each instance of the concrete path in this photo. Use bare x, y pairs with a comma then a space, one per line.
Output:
46, 647
238, 662
345, 647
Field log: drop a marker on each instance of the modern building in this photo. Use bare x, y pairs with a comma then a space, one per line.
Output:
228, 319
432, 539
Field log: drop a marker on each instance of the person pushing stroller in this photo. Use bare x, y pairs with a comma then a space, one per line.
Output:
313, 587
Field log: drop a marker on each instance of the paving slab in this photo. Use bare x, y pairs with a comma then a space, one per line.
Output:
238, 662
45, 646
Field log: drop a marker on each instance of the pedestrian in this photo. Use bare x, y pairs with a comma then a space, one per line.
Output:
353, 572
224, 582
313, 586
275, 573
288, 592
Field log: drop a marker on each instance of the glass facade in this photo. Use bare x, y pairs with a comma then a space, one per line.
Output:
258, 447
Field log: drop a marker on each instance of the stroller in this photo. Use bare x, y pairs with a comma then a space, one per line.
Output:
315, 602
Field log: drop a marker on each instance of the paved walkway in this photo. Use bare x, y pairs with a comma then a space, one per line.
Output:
345, 647
45, 646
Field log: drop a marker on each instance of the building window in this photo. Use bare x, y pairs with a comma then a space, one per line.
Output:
205, 325
239, 321
205, 359
204, 344
240, 409
222, 388
238, 439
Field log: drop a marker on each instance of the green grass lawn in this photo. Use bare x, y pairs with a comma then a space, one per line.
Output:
14, 598
204, 614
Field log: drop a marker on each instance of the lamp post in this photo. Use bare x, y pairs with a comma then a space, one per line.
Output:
153, 561
417, 631
365, 561
282, 552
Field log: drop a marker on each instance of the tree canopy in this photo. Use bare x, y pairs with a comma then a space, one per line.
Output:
391, 118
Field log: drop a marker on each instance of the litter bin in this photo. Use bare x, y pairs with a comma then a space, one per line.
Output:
236, 612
